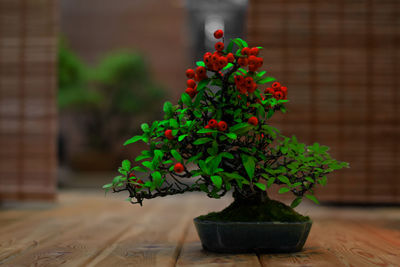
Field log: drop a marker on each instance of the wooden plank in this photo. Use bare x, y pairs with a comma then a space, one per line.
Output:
192, 253
32, 232
336, 242
89, 238
156, 242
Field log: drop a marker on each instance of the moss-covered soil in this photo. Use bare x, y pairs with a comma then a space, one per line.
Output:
268, 211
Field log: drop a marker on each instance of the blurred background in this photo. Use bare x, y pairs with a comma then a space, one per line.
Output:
77, 78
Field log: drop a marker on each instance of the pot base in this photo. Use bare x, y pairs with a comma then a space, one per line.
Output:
249, 237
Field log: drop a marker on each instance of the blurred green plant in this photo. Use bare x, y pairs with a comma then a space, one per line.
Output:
109, 95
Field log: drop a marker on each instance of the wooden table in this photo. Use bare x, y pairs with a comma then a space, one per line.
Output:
85, 229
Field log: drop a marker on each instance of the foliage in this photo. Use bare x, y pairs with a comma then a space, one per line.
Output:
109, 94
219, 135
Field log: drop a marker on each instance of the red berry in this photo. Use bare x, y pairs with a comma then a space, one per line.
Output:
189, 73
276, 85
213, 123
214, 58
239, 79
284, 89
248, 81
245, 51
252, 60
269, 90
259, 62
222, 62
200, 71
252, 88
178, 168
168, 134
230, 57
222, 126
191, 83
218, 34
207, 127
254, 51
139, 182
242, 61
253, 120
279, 95
252, 67
191, 92
219, 46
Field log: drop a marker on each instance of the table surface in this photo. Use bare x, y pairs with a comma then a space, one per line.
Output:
87, 229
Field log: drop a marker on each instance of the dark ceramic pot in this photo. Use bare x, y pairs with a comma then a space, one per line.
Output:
244, 237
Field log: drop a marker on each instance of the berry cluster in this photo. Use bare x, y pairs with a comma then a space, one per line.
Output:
245, 84
250, 59
214, 124
277, 91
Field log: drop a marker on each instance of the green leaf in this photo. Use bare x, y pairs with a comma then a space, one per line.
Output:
176, 155
201, 141
296, 202
139, 169
106, 186
261, 186
229, 47
249, 164
271, 180
157, 178
241, 128
240, 42
195, 157
266, 80
311, 180
283, 190
229, 65
126, 165
217, 181
147, 164
231, 135
313, 198
173, 123
168, 108
181, 137
145, 127
200, 64
186, 99
284, 179
202, 84
227, 155
133, 140
202, 131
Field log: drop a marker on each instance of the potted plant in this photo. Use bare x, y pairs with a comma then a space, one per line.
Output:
219, 135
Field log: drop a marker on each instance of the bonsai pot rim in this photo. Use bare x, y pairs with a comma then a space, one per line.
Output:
250, 237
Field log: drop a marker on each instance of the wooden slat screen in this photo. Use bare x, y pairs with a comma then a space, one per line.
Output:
28, 49
340, 61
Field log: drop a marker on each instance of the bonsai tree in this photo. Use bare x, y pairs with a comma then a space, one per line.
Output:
218, 139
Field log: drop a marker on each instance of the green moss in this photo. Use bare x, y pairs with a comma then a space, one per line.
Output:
269, 211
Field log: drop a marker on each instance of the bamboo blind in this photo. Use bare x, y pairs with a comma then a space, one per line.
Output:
28, 46
340, 61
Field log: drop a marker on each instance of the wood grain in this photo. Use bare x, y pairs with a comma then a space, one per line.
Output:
90, 230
